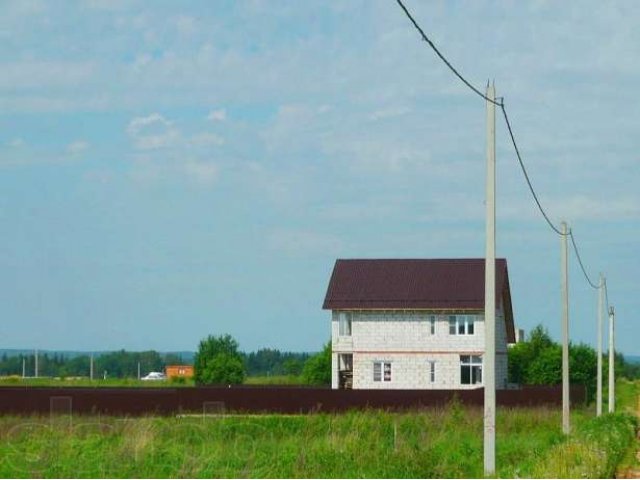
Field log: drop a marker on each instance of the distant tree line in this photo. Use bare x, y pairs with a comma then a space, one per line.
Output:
124, 364
268, 361
118, 364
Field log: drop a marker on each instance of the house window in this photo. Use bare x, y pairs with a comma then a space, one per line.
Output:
432, 324
461, 324
470, 369
452, 325
432, 371
344, 321
381, 371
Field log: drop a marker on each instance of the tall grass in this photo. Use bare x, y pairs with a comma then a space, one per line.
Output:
628, 400
437, 443
594, 451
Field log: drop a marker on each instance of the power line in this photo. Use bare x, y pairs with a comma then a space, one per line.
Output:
526, 175
499, 103
442, 57
584, 271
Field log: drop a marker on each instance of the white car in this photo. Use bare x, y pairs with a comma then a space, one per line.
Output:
154, 376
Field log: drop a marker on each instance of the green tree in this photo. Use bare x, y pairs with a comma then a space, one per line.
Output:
521, 355
317, 369
293, 366
218, 361
538, 361
546, 367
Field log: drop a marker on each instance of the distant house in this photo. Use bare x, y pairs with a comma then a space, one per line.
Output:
415, 324
179, 371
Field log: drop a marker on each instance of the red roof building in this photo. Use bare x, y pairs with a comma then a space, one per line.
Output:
413, 309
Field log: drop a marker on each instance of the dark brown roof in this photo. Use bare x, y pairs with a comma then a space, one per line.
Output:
366, 284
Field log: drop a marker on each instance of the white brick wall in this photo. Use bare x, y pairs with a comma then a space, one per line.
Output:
404, 339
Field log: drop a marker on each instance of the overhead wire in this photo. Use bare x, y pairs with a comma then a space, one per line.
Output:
526, 175
500, 103
584, 271
443, 58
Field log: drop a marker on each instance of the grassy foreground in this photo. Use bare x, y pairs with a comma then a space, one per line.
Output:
439, 443
628, 401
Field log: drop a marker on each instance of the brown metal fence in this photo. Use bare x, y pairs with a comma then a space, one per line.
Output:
171, 401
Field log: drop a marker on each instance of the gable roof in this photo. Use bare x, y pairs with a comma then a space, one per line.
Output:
423, 284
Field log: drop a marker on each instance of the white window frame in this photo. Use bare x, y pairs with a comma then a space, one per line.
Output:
462, 324
383, 368
345, 324
432, 324
471, 362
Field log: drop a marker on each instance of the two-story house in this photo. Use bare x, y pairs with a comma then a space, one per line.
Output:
415, 323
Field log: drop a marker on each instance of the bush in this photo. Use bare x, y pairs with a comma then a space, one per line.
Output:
317, 369
594, 452
218, 362
538, 361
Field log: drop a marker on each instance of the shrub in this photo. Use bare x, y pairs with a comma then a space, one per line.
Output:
317, 369
594, 451
218, 361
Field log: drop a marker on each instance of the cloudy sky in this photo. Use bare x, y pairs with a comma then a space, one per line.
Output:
174, 169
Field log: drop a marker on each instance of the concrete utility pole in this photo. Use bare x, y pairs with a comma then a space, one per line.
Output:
599, 376
24, 367
612, 375
91, 367
35, 367
138, 370
489, 363
566, 427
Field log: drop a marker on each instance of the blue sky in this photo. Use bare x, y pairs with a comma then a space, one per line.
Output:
176, 169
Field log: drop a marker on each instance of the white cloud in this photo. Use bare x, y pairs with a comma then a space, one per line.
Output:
165, 152
34, 74
582, 207
186, 25
206, 139
101, 177
77, 147
142, 61
201, 172
152, 132
389, 112
219, 115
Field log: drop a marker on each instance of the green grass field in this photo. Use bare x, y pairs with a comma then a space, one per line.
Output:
434, 443
437, 443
